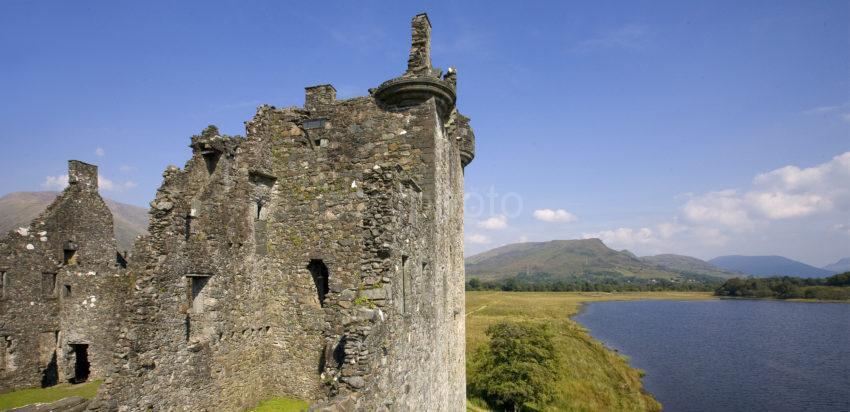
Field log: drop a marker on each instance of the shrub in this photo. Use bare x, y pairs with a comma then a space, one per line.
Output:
516, 370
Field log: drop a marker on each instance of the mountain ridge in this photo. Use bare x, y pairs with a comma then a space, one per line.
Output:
840, 266
769, 265
571, 259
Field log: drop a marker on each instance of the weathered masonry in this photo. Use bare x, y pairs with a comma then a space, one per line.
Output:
320, 257
63, 289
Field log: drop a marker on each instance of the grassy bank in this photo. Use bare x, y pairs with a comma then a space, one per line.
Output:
591, 377
23, 397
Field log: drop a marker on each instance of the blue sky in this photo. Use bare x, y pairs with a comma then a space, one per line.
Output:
657, 126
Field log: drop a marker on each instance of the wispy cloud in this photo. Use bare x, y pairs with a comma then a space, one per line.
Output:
100, 152
842, 111
631, 37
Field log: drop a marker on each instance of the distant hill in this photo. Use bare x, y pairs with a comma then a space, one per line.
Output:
843, 265
20, 208
690, 265
769, 266
559, 259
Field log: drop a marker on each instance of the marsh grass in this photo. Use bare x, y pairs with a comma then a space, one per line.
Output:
23, 397
590, 377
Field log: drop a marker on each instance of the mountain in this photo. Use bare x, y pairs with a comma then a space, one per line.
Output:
689, 265
769, 266
843, 265
629, 252
20, 208
583, 258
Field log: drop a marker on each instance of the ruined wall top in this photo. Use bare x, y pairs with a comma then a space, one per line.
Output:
82, 175
419, 62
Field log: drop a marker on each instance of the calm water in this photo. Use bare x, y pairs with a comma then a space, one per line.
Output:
733, 355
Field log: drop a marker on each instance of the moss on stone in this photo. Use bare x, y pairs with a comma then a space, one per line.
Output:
281, 405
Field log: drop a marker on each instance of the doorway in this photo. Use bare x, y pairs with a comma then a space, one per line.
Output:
82, 368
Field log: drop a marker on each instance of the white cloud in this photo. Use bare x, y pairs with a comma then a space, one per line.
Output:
783, 210
523, 239
61, 182
100, 152
779, 205
478, 239
109, 185
667, 230
494, 223
724, 207
784, 193
791, 192
55, 182
549, 215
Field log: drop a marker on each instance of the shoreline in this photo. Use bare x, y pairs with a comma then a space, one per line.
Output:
594, 377
798, 300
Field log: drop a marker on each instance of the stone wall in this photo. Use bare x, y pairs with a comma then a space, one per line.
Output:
319, 257
62, 285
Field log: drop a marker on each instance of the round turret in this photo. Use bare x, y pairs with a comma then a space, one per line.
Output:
410, 91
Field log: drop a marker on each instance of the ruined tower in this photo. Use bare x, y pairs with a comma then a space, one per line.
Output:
63, 290
319, 257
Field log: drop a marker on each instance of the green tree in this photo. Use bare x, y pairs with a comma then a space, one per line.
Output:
839, 280
517, 369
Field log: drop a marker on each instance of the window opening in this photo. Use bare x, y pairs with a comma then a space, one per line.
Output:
319, 272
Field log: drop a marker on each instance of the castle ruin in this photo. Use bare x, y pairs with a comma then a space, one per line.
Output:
63, 290
320, 257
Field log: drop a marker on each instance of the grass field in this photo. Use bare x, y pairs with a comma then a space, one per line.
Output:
23, 397
591, 377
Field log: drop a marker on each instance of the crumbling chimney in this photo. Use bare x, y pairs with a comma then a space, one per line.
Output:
82, 175
321, 95
419, 63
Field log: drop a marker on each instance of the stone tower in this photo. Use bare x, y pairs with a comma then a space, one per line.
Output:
319, 257
63, 290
